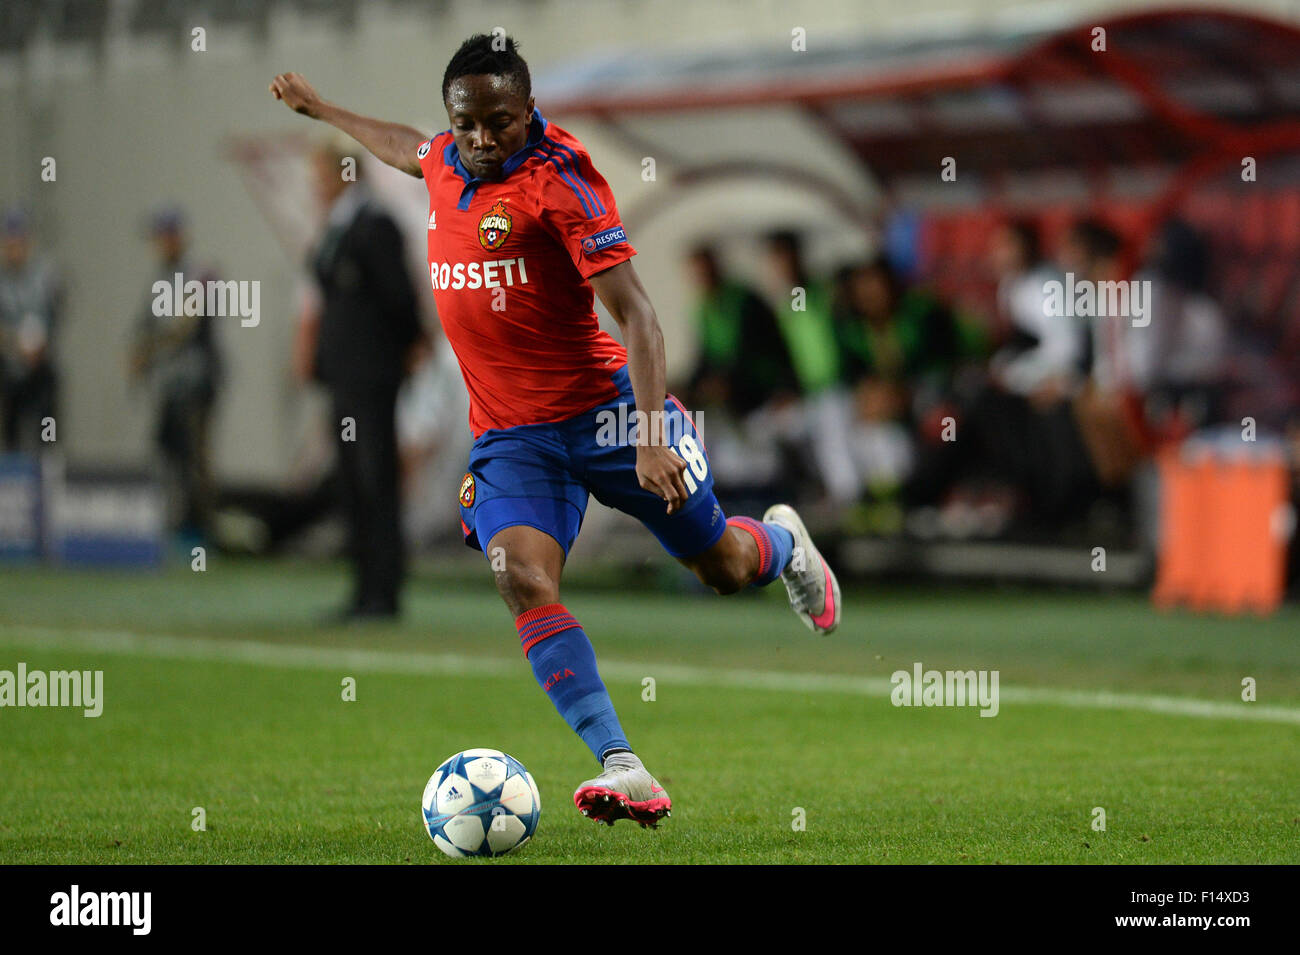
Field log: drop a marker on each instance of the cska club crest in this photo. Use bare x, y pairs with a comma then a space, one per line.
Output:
494, 227
467, 490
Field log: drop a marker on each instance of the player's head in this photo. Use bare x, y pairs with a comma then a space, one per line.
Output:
489, 98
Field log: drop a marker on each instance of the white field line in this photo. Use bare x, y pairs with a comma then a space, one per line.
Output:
357, 660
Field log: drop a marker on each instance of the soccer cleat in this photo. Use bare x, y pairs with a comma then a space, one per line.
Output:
810, 582
625, 790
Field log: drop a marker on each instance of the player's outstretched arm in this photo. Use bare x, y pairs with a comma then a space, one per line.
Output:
391, 143
658, 467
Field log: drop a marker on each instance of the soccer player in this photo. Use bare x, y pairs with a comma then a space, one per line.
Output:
523, 232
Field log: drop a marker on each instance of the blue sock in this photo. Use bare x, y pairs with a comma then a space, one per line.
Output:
565, 666
775, 545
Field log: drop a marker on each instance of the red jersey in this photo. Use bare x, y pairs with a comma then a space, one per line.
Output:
509, 263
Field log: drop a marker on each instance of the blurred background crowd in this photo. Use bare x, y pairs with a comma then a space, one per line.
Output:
879, 399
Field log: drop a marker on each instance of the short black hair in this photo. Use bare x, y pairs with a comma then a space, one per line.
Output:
480, 56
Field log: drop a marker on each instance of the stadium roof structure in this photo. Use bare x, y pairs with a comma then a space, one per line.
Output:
1180, 94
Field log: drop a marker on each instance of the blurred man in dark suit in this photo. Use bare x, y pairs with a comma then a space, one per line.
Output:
369, 320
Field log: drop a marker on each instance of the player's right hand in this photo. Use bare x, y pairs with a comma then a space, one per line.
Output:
296, 93
659, 470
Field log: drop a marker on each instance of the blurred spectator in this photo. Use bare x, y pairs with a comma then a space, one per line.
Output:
30, 299
802, 305
743, 361
369, 319
178, 355
1016, 448
1103, 418
1044, 353
1178, 360
899, 345
742, 372
816, 424
1090, 252
898, 335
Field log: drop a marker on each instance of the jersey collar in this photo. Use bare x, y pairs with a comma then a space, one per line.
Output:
451, 157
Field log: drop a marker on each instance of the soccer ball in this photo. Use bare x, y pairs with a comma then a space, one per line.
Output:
481, 803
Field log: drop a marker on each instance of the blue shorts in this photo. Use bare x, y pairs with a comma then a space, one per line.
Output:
539, 475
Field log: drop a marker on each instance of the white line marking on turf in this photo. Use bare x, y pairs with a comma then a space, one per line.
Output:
404, 663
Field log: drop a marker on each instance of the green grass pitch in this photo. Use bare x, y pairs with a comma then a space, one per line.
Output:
221, 692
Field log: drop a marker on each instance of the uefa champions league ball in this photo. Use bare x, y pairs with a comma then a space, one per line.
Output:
481, 803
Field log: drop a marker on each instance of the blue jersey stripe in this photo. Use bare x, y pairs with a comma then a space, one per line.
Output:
554, 161
590, 205
568, 171
572, 157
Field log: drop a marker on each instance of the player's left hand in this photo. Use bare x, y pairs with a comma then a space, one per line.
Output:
659, 470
